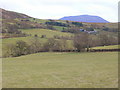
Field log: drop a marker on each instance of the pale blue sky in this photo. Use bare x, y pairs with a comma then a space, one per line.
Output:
55, 9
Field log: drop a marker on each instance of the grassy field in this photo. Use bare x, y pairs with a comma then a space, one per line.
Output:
26, 39
39, 32
108, 47
47, 32
38, 20
61, 70
59, 28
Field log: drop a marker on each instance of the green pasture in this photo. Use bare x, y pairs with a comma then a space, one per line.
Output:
26, 39
59, 28
38, 20
62, 70
107, 47
47, 32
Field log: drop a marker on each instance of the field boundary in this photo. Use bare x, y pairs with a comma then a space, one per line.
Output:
104, 50
91, 50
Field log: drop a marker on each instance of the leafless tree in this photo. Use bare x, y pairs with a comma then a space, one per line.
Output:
35, 45
82, 41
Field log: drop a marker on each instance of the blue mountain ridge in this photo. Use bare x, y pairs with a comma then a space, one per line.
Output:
85, 18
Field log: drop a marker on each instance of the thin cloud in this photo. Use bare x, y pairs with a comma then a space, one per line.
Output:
55, 9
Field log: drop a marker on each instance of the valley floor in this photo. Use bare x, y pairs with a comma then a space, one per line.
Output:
62, 70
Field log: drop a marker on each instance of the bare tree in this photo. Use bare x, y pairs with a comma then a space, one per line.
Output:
104, 39
9, 50
17, 49
35, 45
82, 41
53, 45
22, 48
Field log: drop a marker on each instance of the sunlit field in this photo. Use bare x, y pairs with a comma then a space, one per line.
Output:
62, 70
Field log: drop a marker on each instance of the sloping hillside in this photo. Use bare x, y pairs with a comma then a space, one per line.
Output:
12, 21
12, 15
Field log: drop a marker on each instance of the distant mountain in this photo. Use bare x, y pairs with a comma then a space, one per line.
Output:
85, 18
12, 15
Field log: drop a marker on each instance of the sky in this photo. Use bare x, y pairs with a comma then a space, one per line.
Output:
56, 9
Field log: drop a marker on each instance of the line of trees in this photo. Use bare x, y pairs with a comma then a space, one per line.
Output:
84, 41
78, 24
81, 42
57, 23
23, 48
